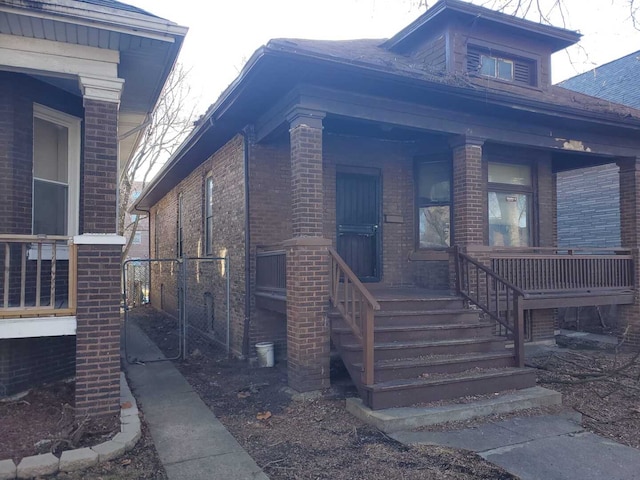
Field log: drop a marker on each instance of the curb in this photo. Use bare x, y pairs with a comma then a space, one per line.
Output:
81, 458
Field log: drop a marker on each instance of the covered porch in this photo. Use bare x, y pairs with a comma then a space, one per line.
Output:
402, 195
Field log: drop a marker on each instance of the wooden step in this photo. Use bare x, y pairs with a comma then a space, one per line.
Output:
400, 333
411, 349
401, 393
420, 317
386, 370
421, 304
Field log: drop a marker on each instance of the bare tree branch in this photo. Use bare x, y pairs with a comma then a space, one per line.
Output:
169, 124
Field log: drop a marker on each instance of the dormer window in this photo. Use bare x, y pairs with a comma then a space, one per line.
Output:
496, 67
484, 62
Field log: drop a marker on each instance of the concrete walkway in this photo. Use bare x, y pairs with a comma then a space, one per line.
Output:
192, 443
549, 447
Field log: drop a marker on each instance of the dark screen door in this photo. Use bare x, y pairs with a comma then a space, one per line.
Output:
357, 220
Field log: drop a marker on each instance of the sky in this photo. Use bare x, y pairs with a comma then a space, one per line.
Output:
224, 33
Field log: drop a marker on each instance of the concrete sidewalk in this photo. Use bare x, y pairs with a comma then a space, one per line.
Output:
192, 443
549, 447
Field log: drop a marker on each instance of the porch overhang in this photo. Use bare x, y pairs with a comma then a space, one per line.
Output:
59, 42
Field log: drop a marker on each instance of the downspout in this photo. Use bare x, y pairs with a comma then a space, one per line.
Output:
246, 135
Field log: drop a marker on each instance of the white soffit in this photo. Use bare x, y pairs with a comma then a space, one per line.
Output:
37, 327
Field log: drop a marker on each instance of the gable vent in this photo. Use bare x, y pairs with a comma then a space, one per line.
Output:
524, 70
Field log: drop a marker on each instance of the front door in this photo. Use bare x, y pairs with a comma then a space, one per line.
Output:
357, 221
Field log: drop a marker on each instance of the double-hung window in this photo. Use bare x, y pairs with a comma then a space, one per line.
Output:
434, 203
208, 216
56, 172
509, 205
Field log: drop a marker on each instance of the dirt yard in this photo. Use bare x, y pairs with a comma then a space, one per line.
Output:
317, 438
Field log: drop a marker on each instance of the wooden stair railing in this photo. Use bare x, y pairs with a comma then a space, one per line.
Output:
357, 307
495, 296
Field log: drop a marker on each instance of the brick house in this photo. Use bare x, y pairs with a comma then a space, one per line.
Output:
140, 243
77, 81
369, 192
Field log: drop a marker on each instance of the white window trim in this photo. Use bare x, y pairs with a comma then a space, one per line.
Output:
73, 125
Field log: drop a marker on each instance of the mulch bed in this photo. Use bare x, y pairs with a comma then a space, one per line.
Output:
43, 421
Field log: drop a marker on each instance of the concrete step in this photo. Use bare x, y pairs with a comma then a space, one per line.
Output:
406, 392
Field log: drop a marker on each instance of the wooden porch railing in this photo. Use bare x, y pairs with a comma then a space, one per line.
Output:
500, 299
356, 306
271, 271
38, 276
553, 270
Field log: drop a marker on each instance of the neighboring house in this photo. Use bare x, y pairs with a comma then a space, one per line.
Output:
596, 189
347, 171
140, 245
77, 81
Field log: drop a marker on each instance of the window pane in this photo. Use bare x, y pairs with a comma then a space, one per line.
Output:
487, 66
433, 183
50, 151
209, 197
49, 208
435, 228
511, 174
509, 219
209, 234
505, 69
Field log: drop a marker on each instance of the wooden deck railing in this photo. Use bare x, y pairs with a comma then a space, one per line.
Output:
548, 270
500, 299
356, 306
271, 270
38, 276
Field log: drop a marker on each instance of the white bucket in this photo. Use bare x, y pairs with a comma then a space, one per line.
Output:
265, 354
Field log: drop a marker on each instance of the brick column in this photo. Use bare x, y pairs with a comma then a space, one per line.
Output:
98, 330
630, 238
469, 215
307, 259
469, 211
306, 172
307, 322
99, 252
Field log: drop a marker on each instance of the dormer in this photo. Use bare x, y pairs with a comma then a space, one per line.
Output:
493, 48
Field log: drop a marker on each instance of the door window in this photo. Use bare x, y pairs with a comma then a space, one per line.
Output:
509, 205
434, 204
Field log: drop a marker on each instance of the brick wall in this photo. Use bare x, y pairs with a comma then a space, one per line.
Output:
25, 362
270, 217
226, 167
596, 223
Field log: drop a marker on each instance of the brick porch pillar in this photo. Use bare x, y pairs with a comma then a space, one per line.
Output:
99, 255
469, 211
630, 238
307, 258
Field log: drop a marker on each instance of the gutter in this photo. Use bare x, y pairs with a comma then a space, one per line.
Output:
247, 247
